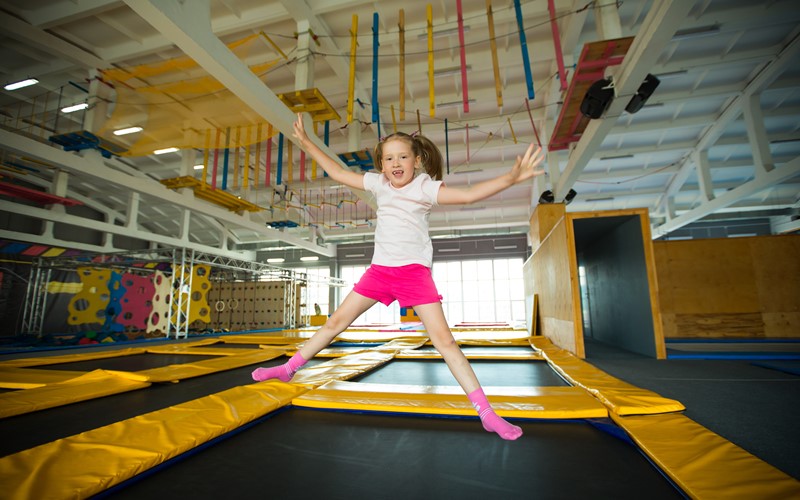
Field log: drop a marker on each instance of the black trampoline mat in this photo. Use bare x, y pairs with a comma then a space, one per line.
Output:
528, 373
302, 454
32, 429
130, 363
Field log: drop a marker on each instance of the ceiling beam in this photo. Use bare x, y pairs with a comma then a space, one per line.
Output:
49, 43
765, 77
659, 26
92, 166
774, 176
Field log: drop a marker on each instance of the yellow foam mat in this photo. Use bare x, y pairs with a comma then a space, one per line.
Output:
181, 347
704, 464
474, 354
188, 370
71, 358
85, 464
351, 365
30, 378
264, 339
512, 402
620, 397
91, 385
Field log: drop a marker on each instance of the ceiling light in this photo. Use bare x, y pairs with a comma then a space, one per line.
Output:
506, 247
199, 167
22, 83
618, 157
164, 151
606, 198
354, 255
75, 107
445, 250
309, 258
275, 260
126, 131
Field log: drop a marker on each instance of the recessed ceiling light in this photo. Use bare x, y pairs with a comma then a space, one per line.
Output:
275, 260
309, 258
75, 107
22, 83
126, 131
164, 151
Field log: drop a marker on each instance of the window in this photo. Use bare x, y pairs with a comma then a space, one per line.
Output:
316, 289
484, 291
481, 290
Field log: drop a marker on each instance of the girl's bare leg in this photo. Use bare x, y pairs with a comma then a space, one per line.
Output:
432, 316
353, 306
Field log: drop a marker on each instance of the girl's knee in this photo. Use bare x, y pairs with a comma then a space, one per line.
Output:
336, 323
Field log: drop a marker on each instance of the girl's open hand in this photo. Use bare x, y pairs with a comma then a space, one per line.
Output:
299, 131
525, 167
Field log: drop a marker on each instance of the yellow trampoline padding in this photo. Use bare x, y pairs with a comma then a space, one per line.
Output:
620, 397
512, 402
336, 352
181, 347
30, 378
71, 358
182, 371
349, 366
474, 354
91, 385
264, 339
86, 464
704, 464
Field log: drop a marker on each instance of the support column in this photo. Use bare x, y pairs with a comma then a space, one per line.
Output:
704, 174
757, 135
304, 69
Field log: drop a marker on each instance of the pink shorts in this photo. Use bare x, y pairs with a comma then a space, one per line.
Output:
410, 285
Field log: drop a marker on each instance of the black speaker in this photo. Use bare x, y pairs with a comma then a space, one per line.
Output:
597, 99
643, 94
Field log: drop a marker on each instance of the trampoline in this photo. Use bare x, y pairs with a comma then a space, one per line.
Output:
370, 422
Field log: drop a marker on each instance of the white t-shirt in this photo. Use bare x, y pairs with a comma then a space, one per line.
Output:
401, 234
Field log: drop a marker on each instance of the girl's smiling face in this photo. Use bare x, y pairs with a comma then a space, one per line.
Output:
398, 162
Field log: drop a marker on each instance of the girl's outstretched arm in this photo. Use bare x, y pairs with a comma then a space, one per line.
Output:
334, 170
524, 168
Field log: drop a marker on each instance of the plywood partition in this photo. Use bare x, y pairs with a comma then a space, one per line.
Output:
618, 247
615, 249
554, 278
730, 287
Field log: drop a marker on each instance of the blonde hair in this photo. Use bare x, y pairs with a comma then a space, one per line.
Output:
421, 146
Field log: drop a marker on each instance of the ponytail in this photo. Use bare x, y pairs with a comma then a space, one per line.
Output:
421, 146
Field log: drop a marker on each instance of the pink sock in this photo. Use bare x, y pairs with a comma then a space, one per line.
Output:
283, 372
491, 421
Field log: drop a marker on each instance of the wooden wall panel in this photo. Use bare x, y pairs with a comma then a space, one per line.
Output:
732, 287
553, 282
